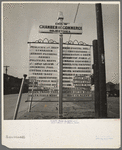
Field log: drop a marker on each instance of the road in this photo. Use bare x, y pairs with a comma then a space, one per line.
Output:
10, 104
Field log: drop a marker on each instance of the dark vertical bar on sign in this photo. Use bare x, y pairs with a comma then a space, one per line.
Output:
101, 58
96, 79
60, 73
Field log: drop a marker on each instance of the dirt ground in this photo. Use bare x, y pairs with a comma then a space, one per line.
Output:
49, 110
9, 105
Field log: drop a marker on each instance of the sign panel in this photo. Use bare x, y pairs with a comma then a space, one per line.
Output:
64, 28
76, 73
43, 71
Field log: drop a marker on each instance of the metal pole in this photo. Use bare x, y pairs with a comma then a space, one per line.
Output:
101, 58
60, 18
19, 97
60, 75
96, 79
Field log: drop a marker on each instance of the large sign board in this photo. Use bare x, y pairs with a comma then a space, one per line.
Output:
58, 27
76, 72
44, 71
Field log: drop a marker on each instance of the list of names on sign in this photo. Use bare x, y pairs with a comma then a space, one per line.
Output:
43, 70
76, 71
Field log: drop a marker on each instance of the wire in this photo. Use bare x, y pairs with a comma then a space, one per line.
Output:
76, 12
75, 17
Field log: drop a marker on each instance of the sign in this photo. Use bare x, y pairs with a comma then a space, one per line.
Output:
43, 71
76, 72
61, 27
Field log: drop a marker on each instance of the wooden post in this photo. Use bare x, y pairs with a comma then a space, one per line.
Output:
60, 74
31, 98
19, 97
60, 19
101, 59
96, 79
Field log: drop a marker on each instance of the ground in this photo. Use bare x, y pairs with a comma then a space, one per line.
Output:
49, 110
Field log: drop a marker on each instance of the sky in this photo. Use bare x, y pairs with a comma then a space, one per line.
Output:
21, 24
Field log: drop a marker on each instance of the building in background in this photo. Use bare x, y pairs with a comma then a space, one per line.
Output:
12, 85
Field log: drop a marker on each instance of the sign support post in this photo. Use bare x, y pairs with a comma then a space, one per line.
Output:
61, 28
60, 74
60, 18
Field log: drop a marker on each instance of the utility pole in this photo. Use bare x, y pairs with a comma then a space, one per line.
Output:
96, 79
101, 59
6, 68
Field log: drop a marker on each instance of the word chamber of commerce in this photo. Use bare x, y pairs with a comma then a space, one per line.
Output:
44, 70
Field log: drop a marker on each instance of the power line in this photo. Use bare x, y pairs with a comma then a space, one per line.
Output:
76, 12
75, 17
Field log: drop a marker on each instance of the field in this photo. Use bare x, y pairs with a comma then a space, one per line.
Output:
49, 110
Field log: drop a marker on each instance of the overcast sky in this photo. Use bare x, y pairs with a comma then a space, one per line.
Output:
21, 23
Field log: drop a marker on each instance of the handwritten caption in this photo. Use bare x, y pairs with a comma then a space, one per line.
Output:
64, 122
103, 138
15, 137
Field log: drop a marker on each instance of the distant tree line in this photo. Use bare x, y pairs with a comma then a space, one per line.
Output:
112, 89
12, 86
